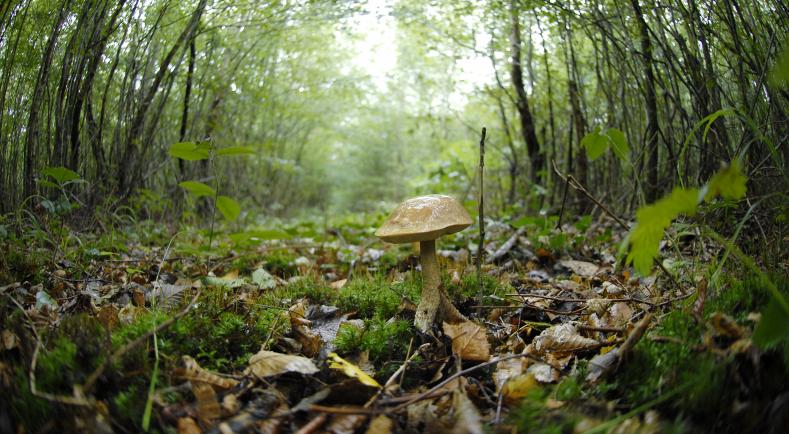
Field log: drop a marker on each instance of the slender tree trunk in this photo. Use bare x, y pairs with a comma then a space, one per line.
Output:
187, 94
652, 189
522, 102
42, 80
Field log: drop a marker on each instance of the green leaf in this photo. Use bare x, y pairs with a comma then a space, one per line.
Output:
188, 151
236, 150
779, 76
47, 183
652, 221
729, 183
595, 144
618, 143
228, 206
61, 175
773, 327
197, 188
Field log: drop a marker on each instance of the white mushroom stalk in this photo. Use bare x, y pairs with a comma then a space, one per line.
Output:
424, 219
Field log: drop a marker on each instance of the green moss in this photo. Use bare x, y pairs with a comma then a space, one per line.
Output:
280, 263
469, 287
532, 417
383, 340
369, 298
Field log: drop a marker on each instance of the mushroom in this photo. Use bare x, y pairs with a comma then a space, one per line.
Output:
424, 219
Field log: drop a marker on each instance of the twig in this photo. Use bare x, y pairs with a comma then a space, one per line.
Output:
582, 300
576, 185
481, 216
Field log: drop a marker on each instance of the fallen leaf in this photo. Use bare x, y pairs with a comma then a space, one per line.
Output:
351, 370
380, 425
469, 341
580, 268
338, 284
187, 425
10, 341
208, 408
467, 417
263, 279
517, 387
192, 371
267, 363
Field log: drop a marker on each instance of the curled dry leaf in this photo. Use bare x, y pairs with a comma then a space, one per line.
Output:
469, 341
467, 417
267, 363
561, 340
192, 371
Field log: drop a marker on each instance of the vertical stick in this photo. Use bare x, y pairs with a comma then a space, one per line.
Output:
480, 248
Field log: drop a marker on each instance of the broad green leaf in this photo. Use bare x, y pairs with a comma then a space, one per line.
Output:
729, 183
60, 174
652, 221
236, 150
228, 206
618, 143
197, 188
779, 76
46, 183
188, 151
595, 144
773, 327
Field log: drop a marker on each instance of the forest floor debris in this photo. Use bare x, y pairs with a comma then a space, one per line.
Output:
315, 335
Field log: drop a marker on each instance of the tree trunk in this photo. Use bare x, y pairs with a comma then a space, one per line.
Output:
652, 189
522, 102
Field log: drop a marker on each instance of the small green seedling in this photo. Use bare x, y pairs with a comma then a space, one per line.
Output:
205, 150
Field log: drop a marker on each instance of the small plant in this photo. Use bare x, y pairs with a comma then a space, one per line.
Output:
204, 150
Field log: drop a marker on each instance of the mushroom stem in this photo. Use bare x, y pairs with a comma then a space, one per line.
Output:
434, 303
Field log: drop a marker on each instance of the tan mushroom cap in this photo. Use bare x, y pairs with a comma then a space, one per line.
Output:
424, 218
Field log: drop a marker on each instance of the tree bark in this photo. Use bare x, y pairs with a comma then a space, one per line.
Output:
652, 189
528, 130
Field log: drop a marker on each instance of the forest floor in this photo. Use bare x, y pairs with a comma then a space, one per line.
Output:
308, 328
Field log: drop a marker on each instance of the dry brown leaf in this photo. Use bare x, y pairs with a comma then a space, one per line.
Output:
469, 341
108, 316
467, 417
338, 284
380, 425
192, 371
187, 425
345, 423
561, 340
268, 363
505, 370
619, 314
208, 408
10, 341
580, 268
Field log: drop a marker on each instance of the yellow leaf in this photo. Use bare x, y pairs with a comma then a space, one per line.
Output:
518, 387
232, 275
351, 370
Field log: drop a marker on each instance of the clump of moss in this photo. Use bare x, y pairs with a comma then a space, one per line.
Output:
383, 340
280, 263
369, 298
469, 287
